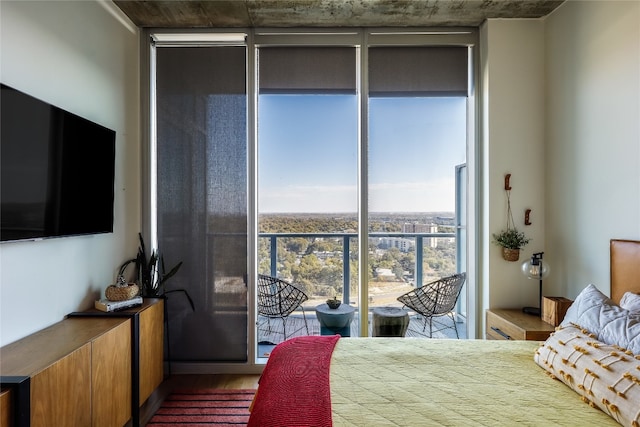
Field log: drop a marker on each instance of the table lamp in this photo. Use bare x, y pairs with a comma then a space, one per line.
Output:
535, 268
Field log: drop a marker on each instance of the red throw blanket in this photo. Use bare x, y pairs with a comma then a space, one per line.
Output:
294, 386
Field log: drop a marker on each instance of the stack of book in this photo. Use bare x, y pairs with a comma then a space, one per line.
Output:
106, 305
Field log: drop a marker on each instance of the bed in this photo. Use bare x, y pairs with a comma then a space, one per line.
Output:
571, 379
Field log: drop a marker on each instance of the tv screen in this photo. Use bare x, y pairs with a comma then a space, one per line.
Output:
57, 171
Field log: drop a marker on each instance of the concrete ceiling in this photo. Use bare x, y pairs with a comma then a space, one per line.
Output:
327, 13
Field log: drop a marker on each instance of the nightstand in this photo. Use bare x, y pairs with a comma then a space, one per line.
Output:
513, 324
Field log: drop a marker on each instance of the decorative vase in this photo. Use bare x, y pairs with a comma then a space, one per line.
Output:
511, 254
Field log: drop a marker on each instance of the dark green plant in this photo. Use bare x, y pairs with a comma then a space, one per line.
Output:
510, 239
151, 274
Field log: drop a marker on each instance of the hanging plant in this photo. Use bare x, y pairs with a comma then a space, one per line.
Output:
510, 239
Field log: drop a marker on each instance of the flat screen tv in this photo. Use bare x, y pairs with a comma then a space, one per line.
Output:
57, 171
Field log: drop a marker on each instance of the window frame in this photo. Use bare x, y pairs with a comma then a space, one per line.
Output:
360, 38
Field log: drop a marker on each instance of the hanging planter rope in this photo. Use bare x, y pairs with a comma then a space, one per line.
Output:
511, 240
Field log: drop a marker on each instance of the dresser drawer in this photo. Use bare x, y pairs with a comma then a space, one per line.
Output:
513, 324
500, 329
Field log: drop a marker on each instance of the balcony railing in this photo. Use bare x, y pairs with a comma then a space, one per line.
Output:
418, 238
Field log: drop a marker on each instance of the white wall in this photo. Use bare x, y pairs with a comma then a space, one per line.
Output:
512, 124
83, 57
561, 113
592, 139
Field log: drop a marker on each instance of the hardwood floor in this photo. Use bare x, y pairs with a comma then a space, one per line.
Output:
175, 382
213, 381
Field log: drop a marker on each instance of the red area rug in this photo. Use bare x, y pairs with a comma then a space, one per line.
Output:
199, 408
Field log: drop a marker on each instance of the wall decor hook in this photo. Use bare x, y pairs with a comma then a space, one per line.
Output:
527, 212
507, 177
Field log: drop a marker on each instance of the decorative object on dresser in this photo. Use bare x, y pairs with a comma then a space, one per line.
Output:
510, 239
122, 290
108, 306
536, 268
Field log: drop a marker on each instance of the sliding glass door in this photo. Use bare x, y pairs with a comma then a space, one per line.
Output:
358, 146
307, 175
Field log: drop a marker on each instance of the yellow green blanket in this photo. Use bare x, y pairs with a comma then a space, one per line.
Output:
421, 382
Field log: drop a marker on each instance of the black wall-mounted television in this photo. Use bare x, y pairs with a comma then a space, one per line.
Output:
56, 173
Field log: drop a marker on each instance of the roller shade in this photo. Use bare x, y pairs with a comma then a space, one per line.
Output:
418, 71
201, 195
174, 63
307, 70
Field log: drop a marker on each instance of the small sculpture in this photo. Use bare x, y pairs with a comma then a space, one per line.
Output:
333, 303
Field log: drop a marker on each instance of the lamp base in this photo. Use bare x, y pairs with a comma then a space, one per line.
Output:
534, 311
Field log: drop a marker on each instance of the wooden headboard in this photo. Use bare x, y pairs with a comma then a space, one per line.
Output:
625, 267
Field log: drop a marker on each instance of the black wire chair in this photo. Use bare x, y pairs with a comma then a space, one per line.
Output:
436, 299
278, 299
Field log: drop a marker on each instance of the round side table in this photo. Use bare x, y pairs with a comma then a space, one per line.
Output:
389, 322
335, 320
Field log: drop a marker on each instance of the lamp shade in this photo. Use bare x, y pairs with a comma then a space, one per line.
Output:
536, 267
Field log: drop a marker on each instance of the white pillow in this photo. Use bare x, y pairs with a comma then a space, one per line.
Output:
631, 302
610, 323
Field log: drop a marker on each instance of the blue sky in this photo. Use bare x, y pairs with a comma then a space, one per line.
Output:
308, 151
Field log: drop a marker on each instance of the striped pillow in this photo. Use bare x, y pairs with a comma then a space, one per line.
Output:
606, 376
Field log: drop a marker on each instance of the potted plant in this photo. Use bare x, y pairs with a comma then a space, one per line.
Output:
511, 241
152, 275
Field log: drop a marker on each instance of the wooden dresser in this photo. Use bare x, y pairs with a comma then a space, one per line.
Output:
513, 324
91, 369
76, 372
147, 347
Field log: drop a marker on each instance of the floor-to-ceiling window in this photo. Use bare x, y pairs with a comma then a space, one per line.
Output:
307, 170
285, 154
417, 136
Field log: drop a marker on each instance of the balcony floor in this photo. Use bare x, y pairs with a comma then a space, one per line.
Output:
295, 327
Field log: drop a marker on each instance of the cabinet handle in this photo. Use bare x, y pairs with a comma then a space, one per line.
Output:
499, 332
